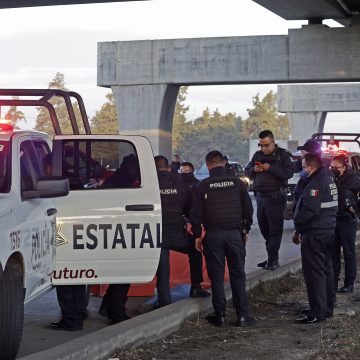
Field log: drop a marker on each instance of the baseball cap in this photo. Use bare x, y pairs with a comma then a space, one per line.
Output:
311, 146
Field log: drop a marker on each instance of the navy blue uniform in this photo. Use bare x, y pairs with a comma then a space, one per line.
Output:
315, 220
222, 204
172, 204
348, 185
189, 182
270, 193
72, 302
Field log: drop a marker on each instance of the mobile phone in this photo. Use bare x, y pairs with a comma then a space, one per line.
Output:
258, 163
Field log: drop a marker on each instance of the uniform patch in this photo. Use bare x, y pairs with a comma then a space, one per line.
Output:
168, 191
314, 193
221, 185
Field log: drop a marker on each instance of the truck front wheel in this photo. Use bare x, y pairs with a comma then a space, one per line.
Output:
11, 312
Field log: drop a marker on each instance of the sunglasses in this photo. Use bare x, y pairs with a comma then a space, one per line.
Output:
264, 145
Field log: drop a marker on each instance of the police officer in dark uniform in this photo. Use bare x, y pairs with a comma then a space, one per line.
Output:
228, 167
270, 167
310, 146
315, 220
348, 185
73, 302
175, 164
172, 204
113, 303
222, 204
189, 182
72, 299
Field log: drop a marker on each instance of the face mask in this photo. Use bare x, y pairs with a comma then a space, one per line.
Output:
187, 176
303, 174
336, 173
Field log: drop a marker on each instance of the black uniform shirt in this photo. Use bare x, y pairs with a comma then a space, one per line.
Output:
221, 202
188, 183
348, 185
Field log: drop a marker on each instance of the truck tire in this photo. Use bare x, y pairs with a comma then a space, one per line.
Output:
11, 312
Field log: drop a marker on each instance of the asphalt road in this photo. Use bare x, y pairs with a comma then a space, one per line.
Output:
38, 314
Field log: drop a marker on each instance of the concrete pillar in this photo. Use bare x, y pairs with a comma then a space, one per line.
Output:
304, 124
148, 110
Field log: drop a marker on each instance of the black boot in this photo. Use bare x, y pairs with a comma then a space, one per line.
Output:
217, 319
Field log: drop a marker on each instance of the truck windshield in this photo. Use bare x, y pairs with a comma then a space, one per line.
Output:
4, 167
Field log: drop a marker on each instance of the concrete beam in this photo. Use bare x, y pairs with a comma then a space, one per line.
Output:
324, 97
312, 54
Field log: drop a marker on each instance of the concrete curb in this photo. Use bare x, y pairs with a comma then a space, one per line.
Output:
150, 326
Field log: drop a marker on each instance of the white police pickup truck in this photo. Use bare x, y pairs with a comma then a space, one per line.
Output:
107, 229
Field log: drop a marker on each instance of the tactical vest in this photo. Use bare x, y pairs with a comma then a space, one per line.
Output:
265, 181
171, 201
222, 203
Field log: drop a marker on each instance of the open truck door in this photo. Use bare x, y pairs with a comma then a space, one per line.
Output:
109, 226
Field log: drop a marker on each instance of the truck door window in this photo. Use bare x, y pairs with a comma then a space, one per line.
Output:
97, 164
5, 169
44, 154
31, 166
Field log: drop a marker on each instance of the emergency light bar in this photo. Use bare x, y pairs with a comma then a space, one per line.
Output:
6, 125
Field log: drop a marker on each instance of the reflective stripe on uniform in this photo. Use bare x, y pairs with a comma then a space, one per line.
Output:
329, 204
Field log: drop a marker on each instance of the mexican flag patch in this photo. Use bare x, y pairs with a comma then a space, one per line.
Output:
314, 193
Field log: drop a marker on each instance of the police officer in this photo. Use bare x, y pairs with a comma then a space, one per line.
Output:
222, 204
228, 167
113, 303
313, 147
189, 182
270, 167
315, 220
348, 185
73, 302
310, 146
172, 203
72, 299
175, 164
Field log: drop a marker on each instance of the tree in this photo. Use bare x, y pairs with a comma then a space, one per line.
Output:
43, 120
179, 121
105, 120
15, 115
214, 131
264, 116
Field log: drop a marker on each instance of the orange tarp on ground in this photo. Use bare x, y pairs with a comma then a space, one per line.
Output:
179, 274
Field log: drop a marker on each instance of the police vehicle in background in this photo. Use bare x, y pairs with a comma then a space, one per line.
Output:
107, 229
333, 144
203, 173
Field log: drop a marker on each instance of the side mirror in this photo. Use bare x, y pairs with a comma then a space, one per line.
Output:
48, 187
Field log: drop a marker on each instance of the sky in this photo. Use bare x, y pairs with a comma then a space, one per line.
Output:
36, 43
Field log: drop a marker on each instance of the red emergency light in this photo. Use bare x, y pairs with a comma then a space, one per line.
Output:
6, 125
334, 149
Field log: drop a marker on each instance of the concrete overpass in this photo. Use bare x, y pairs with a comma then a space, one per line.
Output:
145, 75
6, 4
308, 105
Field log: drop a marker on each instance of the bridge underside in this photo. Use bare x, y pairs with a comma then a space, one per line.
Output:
340, 10
7, 4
